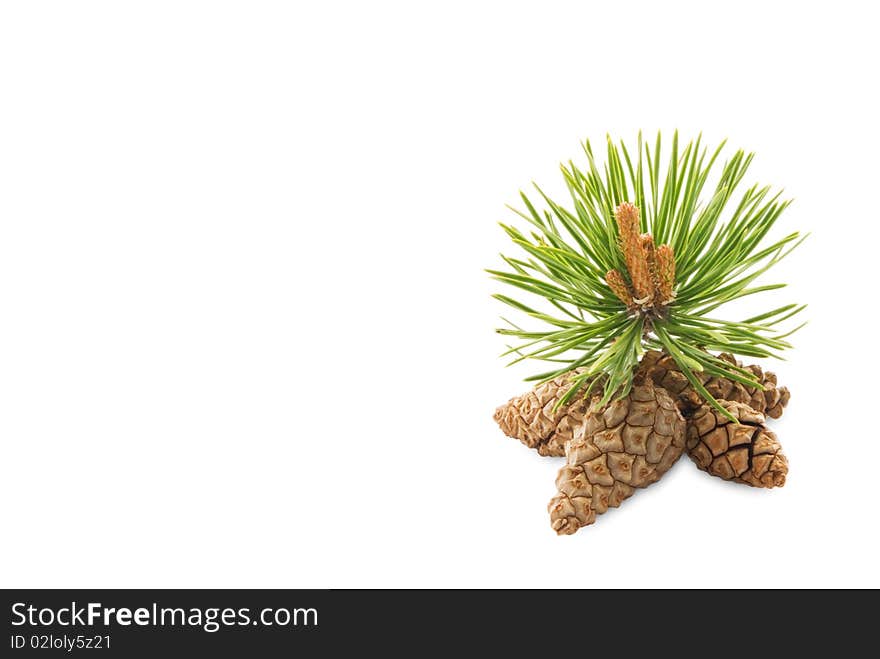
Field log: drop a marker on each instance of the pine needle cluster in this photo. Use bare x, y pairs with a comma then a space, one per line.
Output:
640, 260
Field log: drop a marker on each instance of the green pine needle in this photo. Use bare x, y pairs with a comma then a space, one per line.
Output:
720, 251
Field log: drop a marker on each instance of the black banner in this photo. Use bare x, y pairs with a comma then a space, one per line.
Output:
127, 623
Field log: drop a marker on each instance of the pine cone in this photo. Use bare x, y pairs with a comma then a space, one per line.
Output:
629, 443
530, 418
745, 453
663, 371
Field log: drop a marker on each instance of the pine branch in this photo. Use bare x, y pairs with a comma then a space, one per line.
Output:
640, 260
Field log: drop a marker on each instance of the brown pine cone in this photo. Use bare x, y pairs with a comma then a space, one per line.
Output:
530, 418
629, 443
744, 453
663, 371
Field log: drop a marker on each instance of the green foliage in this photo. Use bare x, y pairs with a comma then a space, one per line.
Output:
564, 258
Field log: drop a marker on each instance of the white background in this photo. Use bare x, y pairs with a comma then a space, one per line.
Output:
245, 336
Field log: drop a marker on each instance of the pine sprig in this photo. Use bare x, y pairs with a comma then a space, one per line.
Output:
632, 229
